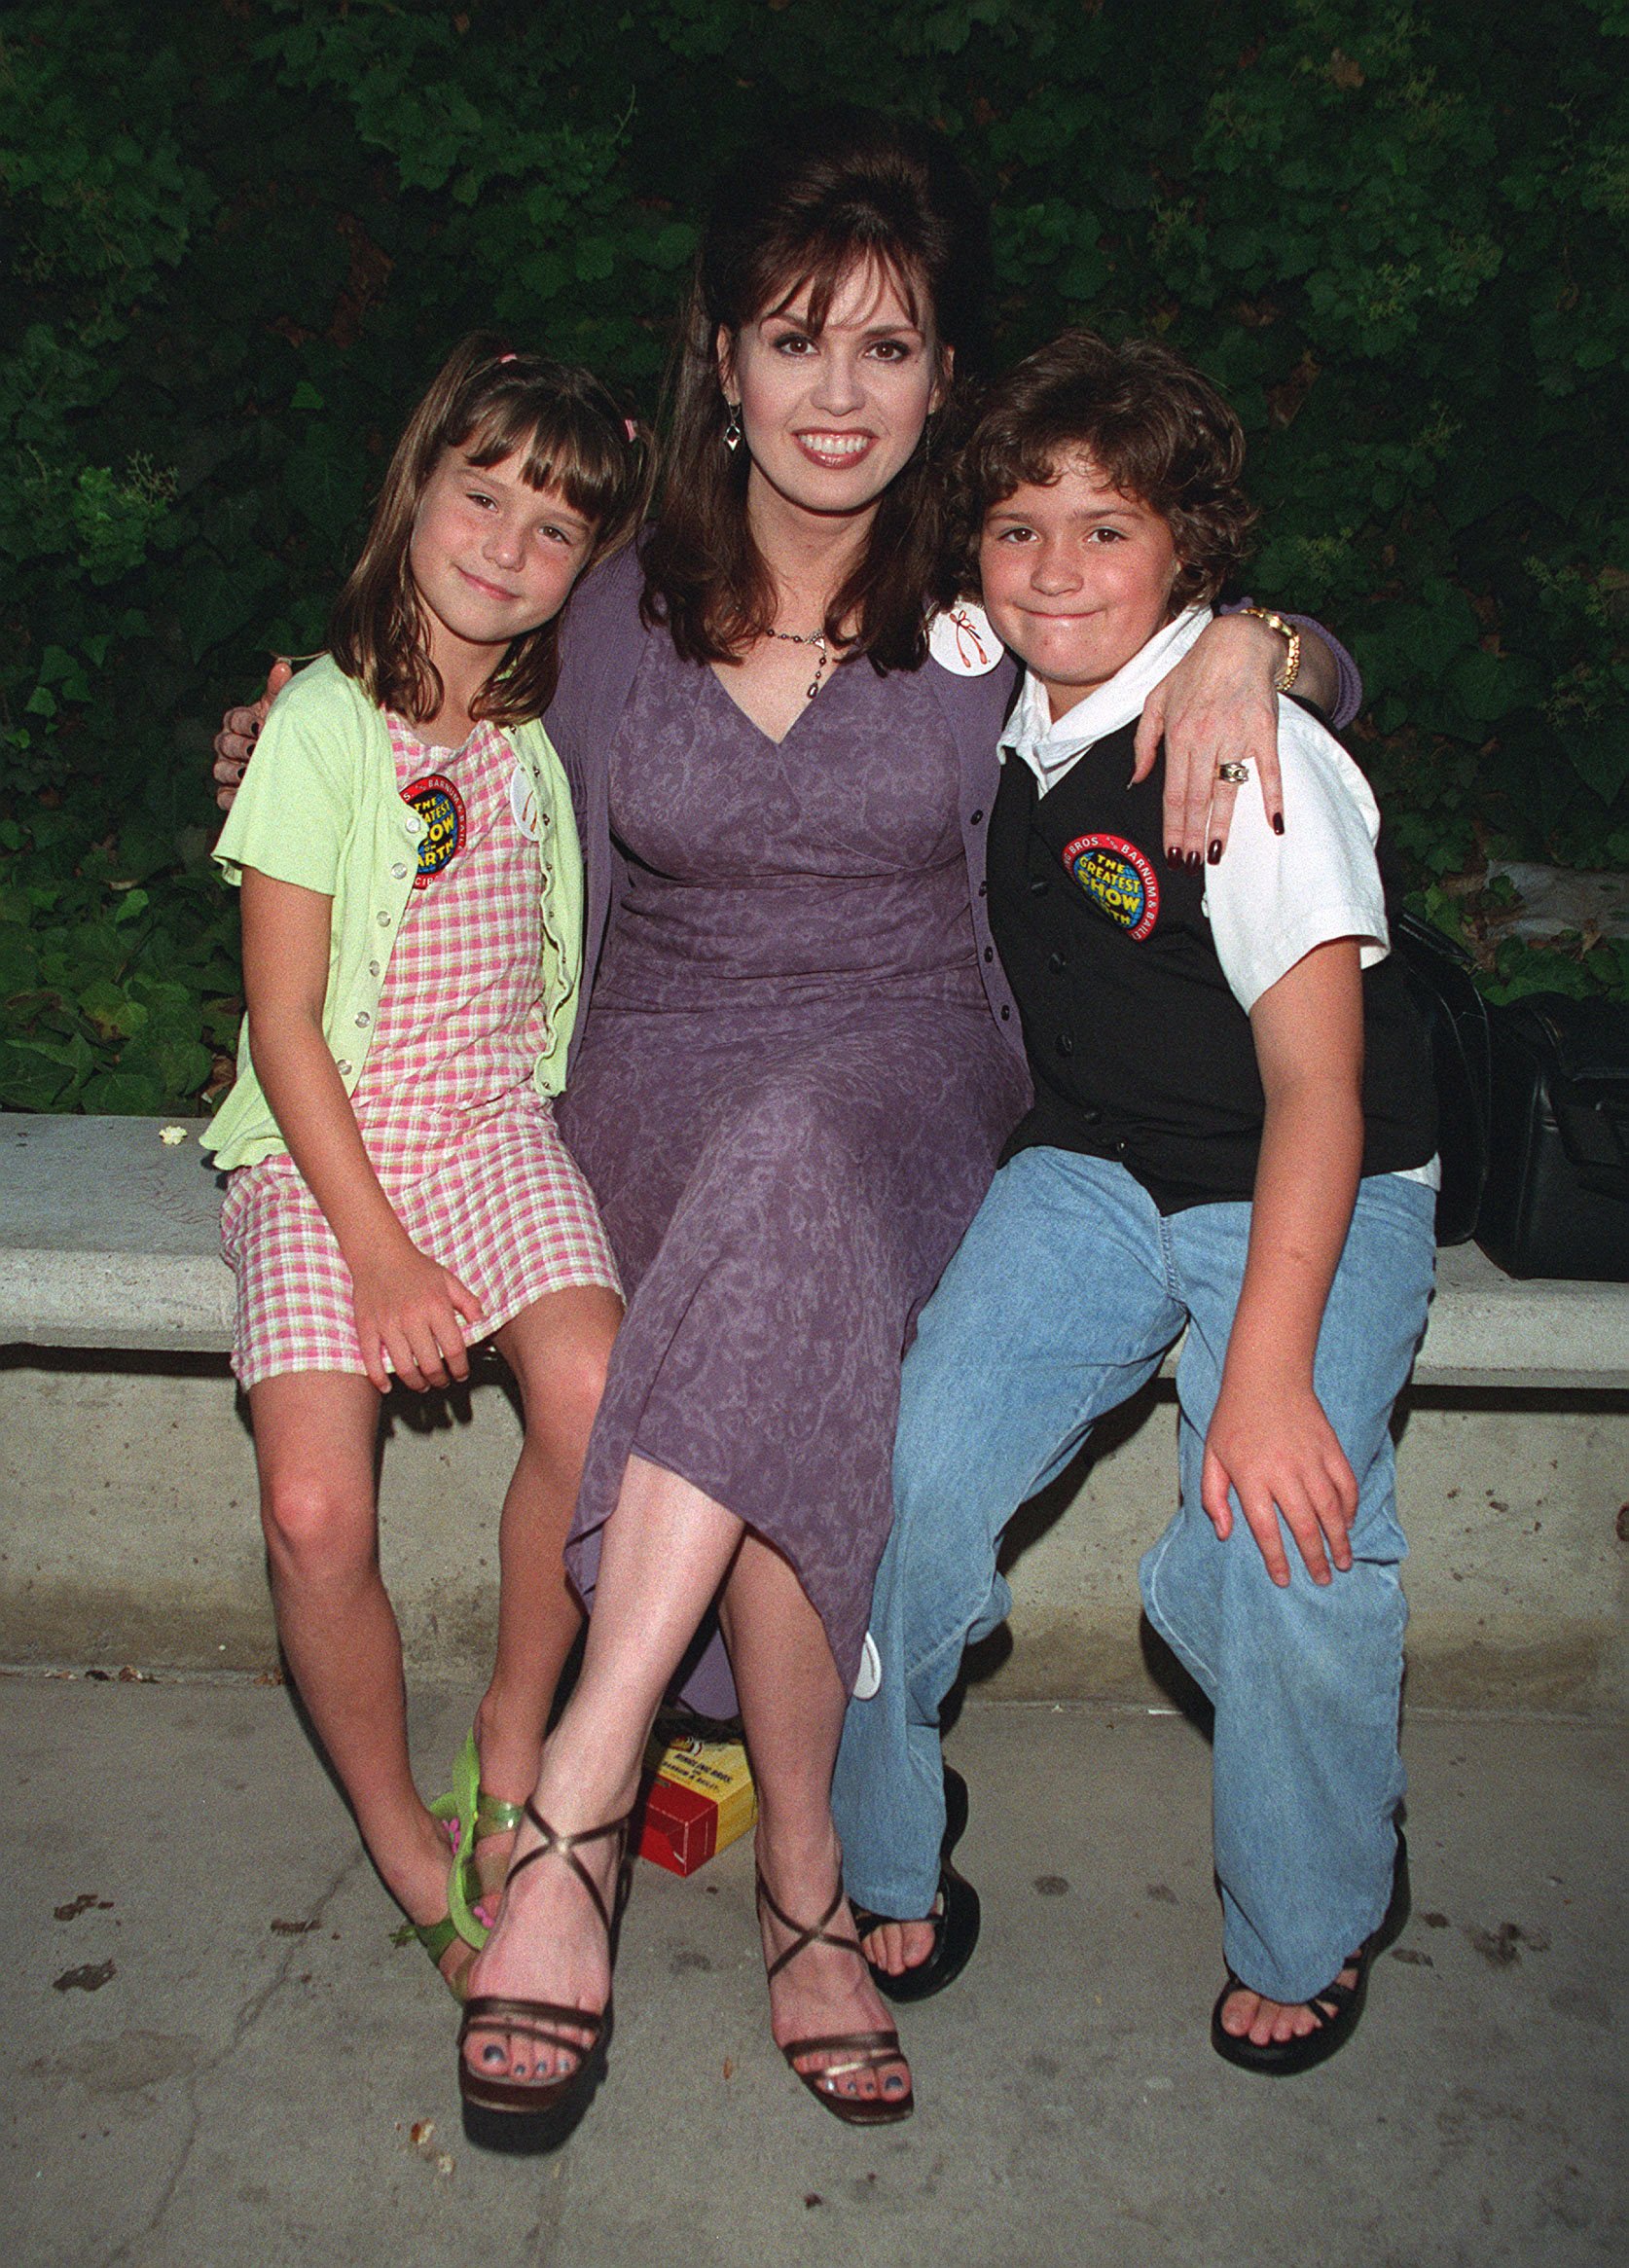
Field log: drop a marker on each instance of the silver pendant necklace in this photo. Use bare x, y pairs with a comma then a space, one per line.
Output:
818, 639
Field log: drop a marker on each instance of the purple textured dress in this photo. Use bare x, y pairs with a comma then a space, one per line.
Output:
788, 1099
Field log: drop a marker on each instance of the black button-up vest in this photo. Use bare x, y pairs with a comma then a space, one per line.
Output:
1138, 1049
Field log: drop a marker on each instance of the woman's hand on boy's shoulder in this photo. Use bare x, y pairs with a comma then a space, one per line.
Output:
1218, 706
1276, 1451
234, 743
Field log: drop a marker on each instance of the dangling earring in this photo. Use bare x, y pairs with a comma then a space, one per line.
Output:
732, 429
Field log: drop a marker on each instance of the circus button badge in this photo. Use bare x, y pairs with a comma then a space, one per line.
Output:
959, 639
441, 806
1118, 879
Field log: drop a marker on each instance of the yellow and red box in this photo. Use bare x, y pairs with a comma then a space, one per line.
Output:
700, 1796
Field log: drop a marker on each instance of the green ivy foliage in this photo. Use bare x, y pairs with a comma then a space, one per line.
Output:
237, 235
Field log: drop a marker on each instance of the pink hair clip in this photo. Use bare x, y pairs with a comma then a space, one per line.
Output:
510, 357
631, 428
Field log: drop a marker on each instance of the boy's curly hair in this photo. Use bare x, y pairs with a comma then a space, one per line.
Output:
1147, 421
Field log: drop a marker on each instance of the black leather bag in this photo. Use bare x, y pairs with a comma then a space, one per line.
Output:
1454, 1015
1556, 1201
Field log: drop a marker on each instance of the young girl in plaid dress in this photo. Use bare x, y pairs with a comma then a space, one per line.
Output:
412, 899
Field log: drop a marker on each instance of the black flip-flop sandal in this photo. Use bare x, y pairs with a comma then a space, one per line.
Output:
955, 1921
1337, 2007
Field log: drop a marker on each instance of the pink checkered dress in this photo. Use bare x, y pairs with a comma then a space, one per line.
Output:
464, 1146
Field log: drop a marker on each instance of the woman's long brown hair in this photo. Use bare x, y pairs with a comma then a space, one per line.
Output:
490, 402
797, 214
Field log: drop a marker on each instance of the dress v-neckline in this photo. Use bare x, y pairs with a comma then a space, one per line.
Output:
716, 676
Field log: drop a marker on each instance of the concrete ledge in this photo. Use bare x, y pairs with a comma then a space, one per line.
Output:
1487, 1329
129, 1527
109, 1237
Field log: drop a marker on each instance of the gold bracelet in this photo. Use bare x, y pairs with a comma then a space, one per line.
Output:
1292, 659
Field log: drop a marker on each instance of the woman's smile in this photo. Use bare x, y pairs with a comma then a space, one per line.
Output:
835, 449
831, 414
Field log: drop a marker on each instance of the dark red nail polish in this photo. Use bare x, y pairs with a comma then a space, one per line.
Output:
1215, 855
1278, 822
1194, 862
1172, 856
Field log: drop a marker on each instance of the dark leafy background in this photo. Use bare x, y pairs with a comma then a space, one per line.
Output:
237, 235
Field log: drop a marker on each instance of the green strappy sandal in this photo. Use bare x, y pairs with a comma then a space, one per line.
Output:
479, 1815
436, 1936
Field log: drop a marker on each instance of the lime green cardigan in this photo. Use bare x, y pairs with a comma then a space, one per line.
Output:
319, 807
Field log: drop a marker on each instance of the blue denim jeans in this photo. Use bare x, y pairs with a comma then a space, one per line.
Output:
1061, 1302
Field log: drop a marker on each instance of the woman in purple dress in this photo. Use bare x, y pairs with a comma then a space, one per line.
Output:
799, 1062
800, 1057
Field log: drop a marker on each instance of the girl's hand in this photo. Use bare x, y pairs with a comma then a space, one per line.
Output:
1278, 1451
1218, 706
234, 743
409, 1307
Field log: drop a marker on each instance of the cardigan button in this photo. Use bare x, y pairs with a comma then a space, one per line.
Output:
976, 819
363, 1019
343, 1070
1005, 1013
983, 889
1057, 963
1065, 1043
398, 871
990, 953
373, 968
1038, 886
383, 919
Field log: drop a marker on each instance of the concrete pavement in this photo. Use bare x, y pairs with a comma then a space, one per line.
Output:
216, 2057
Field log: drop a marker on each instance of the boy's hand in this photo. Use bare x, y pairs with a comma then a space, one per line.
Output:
1278, 1453
409, 1307
234, 743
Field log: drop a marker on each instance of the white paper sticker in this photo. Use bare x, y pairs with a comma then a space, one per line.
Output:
961, 640
868, 1684
522, 802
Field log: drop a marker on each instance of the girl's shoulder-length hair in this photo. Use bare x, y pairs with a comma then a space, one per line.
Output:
491, 402
791, 223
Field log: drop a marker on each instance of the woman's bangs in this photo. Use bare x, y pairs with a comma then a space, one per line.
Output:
815, 272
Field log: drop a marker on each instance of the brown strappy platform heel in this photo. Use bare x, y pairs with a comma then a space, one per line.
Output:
579, 2031
864, 2051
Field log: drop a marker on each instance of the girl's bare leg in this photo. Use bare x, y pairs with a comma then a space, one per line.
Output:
557, 1349
666, 1551
792, 1704
314, 1438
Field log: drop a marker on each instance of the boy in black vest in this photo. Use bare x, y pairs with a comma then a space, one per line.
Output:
1232, 1133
